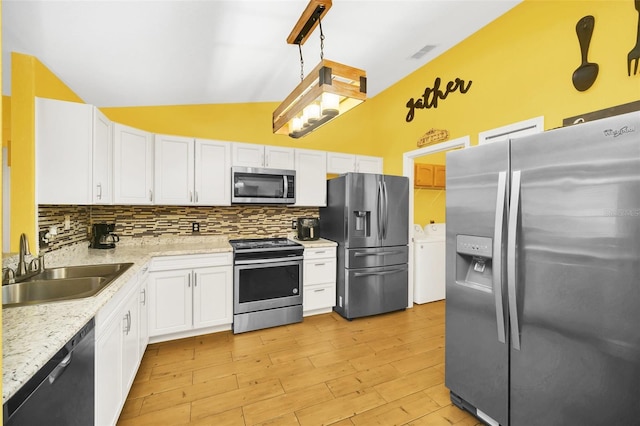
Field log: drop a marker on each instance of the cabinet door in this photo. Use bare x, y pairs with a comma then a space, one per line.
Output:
366, 164
213, 296
108, 387
278, 157
423, 175
311, 178
63, 152
338, 163
247, 155
174, 170
144, 313
102, 158
133, 165
130, 340
169, 302
213, 173
439, 176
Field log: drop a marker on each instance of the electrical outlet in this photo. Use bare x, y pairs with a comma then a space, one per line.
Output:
294, 224
195, 227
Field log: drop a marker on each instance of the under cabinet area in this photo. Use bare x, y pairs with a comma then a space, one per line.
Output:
319, 278
190, 295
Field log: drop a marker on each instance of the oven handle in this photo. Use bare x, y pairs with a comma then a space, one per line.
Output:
263, 261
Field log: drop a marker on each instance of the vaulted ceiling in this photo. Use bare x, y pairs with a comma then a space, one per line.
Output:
149, 52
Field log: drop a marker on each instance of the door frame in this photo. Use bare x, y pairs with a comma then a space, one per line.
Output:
407, 170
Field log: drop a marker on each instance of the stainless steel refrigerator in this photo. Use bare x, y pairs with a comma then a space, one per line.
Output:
367, 215
543, 277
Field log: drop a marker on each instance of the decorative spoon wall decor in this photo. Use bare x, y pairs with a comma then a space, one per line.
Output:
585, 75
634, 55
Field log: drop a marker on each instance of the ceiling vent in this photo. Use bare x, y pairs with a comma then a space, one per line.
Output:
426, 49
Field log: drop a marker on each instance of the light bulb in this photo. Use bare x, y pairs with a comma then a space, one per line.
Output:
312, 113
296, 124
330, 104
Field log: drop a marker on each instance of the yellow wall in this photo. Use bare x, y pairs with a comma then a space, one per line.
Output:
2, 135
29, 78
521, 67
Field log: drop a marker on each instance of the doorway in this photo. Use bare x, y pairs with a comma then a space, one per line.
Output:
408, 160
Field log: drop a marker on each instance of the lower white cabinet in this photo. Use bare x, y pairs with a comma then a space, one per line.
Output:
118, 352
144, 309
319, 279
190, 293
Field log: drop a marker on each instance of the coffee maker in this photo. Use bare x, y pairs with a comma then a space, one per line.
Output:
102, 236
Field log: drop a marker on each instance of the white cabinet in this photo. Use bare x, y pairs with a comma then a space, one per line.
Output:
64, 139
190, 293
319, 279
212, 173
191, 172
102, 158
118, 352
254, 155
339, 163
143, 279
132, 165
311, 178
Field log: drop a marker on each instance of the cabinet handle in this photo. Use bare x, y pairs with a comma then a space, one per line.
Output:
151, 195
191, 196
144, 297
189, 280
195, 279
99, 191
196, 196
127, 321
129, 327
320, 264
319, 290
321, 252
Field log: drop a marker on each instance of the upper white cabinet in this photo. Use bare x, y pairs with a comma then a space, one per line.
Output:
132, 165
64, 133
254, 155
191, 172
311, 178
213, 173
339, 163
174, 170
102, 158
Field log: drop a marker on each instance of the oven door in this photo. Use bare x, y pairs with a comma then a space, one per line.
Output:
268, 285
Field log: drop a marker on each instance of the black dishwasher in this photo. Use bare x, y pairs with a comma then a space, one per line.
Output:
62, 391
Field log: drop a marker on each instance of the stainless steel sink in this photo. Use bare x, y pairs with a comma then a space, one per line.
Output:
82, 271
59, 284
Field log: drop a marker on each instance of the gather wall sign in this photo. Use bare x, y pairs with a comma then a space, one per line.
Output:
431, 95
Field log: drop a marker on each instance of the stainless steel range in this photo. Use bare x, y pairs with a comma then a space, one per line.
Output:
267, 283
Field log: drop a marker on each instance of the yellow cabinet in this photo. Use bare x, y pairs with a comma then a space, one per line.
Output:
429, 176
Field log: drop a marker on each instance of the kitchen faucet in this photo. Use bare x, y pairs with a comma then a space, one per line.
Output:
21, 269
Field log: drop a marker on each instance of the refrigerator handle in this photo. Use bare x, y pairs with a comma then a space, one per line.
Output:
380, 213
511, 258
497, 254
385, 224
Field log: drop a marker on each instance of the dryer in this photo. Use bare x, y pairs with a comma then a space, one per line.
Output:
429, 263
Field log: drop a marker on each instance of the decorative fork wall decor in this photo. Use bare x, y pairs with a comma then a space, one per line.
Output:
634, 54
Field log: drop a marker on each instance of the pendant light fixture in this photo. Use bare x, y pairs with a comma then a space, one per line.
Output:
330, 89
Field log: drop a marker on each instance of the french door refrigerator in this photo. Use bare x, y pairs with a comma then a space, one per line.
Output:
543, 277
368, 216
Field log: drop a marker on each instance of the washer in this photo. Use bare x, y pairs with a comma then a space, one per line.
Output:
429, 263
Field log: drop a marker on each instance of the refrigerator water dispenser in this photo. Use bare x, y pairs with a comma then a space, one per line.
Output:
362, 223
473, 262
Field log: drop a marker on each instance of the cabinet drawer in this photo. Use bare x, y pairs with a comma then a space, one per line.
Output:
319, 296
167, 263
319, 253
319, 271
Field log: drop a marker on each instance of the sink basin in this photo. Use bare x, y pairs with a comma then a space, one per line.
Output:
81, 271
59, 284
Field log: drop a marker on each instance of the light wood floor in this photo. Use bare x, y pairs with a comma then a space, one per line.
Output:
381, 370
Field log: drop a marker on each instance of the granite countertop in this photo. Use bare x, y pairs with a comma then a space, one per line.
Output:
31, 335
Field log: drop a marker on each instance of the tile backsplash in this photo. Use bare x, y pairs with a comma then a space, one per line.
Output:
154, 221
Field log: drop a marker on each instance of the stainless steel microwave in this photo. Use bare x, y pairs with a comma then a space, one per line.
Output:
253, 185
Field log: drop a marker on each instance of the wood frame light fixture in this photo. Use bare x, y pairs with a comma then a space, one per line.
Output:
329, 90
